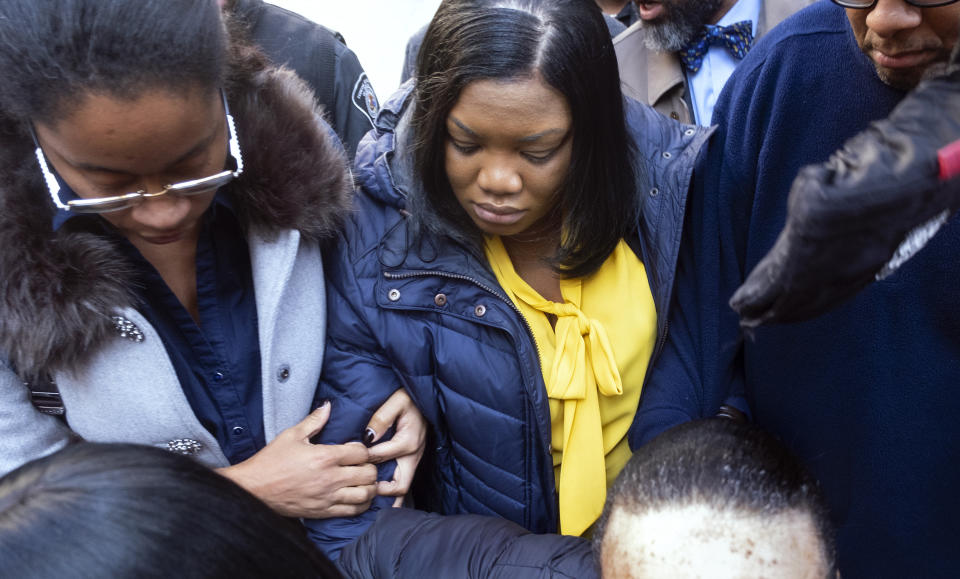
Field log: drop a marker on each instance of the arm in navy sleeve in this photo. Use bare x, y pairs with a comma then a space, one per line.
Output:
357, 380
402, 540
682, 384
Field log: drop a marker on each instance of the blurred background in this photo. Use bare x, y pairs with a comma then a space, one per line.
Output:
376, 31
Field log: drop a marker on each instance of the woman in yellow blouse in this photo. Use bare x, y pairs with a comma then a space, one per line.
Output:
510, 260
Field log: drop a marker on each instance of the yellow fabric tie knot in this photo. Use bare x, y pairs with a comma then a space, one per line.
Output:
583, 365
579, 338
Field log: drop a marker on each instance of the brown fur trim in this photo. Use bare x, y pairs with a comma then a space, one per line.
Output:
58, 290
284, 199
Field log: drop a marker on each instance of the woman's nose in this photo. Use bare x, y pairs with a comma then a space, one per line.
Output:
499, 177
163, 212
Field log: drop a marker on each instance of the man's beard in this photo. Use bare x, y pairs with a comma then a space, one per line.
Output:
908, 79
682, 21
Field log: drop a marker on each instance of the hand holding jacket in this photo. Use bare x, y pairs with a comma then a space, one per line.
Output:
406, 446
867, 210
300, 479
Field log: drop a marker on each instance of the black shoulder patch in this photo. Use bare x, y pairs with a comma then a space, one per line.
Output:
365, 99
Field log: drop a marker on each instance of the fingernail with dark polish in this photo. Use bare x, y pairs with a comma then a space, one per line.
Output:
368, 436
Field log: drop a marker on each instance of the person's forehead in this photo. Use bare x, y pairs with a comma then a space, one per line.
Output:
140, 135
517, 108
698, 541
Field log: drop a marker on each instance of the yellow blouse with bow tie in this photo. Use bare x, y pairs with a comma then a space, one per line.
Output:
594, 361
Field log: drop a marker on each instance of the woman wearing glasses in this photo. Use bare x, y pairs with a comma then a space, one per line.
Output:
165, 194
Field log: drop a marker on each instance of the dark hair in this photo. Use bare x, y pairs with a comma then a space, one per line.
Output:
724, 465
567, 43
122, 510
56, 49
64, 49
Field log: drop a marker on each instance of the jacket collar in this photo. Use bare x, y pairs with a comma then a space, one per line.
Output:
664, 74
61, 288
647, 75
668, 152
380, 170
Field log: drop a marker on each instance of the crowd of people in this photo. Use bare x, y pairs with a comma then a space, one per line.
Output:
508, 299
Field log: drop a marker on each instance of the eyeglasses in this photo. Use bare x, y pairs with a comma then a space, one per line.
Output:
182, 189
871, 3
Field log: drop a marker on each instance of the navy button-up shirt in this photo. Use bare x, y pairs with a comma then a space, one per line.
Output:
217, 361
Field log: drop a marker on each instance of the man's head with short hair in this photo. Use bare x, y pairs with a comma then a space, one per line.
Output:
906, 43
671, 25
715, 498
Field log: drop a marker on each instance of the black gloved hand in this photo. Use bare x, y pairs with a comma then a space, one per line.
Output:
879, 198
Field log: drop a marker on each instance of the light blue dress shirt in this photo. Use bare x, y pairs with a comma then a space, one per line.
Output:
718, 64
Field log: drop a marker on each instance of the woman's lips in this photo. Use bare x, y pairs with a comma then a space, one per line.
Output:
164, 239
498, 215
650, 10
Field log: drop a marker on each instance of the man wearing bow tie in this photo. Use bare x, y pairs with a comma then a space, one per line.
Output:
679, 55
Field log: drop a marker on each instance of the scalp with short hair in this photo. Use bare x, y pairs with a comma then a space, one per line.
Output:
724, 465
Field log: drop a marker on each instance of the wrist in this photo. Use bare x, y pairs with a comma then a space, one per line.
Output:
240, 475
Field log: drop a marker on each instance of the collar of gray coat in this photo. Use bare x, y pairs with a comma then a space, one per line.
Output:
59, 290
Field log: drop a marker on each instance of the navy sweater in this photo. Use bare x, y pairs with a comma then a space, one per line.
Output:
867, 395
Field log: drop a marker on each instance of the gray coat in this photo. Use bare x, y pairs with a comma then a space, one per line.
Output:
112, 370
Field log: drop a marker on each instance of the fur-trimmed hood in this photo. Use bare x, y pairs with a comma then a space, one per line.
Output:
60, 289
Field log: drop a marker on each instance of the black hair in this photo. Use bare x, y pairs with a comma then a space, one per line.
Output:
566, 43
725, 465
55, 50
123, 510
63, 50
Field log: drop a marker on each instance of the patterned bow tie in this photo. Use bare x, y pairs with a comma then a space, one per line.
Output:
736, 37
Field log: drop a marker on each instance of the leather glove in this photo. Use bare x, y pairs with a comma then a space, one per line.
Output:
859, 216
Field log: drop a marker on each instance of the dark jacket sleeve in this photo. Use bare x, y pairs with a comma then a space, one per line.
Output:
875, 202
679, 387
672, 393
357, 380
320, 57
355, 105
409, 543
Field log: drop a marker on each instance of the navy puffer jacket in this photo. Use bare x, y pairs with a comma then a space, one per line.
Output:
429, 316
